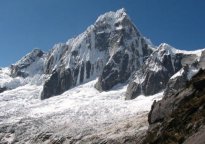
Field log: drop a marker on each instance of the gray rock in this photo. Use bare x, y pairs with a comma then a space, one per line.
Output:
60, 81
123, 63
133, 90
176, 84
2, 89
179, 117
202, 60
156, 72
188, 59
197, 138
114, 72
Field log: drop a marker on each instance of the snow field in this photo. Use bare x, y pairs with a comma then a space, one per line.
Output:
82, 106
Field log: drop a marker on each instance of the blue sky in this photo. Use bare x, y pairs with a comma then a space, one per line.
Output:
28, 24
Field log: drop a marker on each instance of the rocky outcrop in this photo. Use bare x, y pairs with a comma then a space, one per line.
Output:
2, 89
60, 81
154, 75
180, 116
177, 82
28, 64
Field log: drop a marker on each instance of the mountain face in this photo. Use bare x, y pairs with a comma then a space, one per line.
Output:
111, 49
161, 65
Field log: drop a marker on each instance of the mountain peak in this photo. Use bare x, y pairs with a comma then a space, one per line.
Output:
166, 47
30, 56
112, 16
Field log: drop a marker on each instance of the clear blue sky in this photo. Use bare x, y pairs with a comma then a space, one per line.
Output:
28, 24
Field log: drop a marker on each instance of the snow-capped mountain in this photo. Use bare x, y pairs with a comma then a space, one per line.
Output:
111, 49
91, 75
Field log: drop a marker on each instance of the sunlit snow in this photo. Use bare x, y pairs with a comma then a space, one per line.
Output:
80, 106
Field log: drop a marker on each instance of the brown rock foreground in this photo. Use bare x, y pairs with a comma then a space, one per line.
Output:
179, 118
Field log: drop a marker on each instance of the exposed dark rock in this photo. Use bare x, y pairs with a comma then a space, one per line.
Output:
202, 60
178, 83
102, 41
119, 68
49, 65
60, 81
116, 71
197, 138
155, 82
2, 89
82, 73
128, 55
16, 71
156, 72
88, 69
180, 116
133, 90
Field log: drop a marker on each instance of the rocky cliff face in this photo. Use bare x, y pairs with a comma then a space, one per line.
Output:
111, 49
179, 117
162, 64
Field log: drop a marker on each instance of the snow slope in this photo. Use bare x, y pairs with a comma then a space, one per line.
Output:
79, 109
82, 102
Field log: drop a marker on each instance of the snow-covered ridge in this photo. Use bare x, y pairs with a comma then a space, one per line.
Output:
171, 50
29, 58
165, 49
112, 17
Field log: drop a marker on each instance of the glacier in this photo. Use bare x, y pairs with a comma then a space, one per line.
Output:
78, 110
